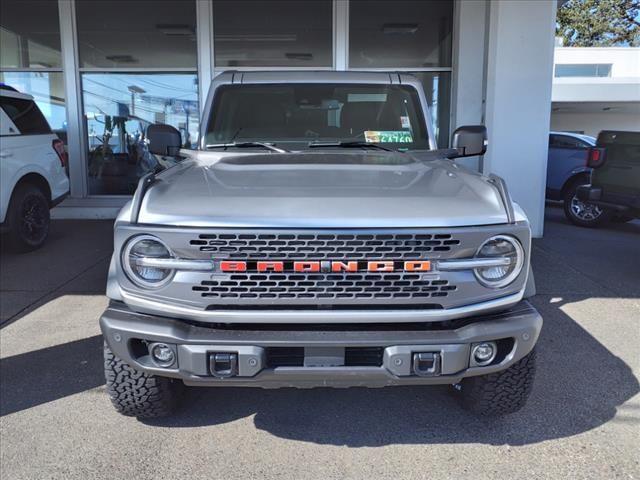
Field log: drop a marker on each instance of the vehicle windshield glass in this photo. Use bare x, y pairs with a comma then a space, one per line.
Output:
295, 115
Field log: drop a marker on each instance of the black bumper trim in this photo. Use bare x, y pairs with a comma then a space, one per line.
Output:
123, 328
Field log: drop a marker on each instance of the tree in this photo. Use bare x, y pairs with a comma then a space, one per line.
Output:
599, 23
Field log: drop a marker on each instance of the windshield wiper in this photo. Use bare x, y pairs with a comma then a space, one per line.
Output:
350, 144
268, 146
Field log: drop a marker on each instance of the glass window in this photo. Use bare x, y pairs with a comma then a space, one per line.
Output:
583, 70
25, 115
567, 142
277, 33
437, 89
118, 108
47, 90
296, 115
402, 33
137, 33
29, 34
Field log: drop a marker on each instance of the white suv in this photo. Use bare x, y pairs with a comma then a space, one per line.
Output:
33, 173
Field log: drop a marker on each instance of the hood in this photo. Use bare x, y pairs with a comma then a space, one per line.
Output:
346, 189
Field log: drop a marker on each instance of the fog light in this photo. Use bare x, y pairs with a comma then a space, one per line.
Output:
162, 354
484, 353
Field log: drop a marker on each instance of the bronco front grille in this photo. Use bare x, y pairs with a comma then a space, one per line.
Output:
323, 246
324, 286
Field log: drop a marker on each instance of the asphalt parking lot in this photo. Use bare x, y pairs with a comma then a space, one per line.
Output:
582, 421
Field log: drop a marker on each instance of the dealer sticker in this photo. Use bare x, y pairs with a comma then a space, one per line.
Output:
388, 136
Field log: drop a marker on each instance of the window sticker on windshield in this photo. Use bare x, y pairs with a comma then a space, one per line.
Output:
404, 121
388, 136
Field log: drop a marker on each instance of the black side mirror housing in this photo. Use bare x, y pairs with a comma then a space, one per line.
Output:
470, 140
164, 139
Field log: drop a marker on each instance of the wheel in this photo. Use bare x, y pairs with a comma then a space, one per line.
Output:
582, 213
500, 393
137, 394
28, 218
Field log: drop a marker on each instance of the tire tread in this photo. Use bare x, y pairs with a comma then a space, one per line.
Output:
137, 394
500, 393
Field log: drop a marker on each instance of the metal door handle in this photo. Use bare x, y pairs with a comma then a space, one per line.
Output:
5, 153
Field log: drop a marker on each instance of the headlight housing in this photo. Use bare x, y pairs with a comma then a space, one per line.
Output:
146, 247
500, 246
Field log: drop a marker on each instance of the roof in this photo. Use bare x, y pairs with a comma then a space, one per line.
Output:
579, 136
316, 76
9, 91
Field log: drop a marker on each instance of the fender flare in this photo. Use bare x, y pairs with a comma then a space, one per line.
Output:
575, 173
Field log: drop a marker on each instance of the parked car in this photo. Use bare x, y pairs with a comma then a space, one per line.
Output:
33, 176
566, 171
615, 181
318, 237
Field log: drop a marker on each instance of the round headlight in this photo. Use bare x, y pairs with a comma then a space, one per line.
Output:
146, 247
500, 246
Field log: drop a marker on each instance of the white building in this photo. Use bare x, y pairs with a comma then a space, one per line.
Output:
596, 89
481, 62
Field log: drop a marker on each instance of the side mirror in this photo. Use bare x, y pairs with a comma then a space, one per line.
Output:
470, 141
163, 139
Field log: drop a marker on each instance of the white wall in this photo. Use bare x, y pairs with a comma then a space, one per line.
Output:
622, 86
593, 123
519, 78
469, 58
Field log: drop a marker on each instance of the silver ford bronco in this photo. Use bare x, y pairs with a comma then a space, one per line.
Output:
319, 238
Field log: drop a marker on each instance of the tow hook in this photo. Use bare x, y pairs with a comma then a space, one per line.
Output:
223, 365
426, 364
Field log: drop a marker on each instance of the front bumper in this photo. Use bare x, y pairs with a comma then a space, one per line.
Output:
128, 334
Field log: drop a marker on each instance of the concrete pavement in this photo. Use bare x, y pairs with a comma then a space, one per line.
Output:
583, 420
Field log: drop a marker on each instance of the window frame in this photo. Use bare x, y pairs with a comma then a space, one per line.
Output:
583, 145
222, 68
80, 70
597, 67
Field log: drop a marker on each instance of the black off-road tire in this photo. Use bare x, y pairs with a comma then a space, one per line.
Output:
27, 218
588, 219
500, 393
138, 394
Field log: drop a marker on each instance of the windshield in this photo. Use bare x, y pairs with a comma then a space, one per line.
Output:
296, 115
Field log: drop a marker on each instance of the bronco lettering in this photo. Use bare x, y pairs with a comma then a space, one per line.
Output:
334, 266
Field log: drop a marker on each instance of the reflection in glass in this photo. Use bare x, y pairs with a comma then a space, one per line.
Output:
137, 33
29, 34
277, 33
48, 92
118, 108
402, 33
437, 88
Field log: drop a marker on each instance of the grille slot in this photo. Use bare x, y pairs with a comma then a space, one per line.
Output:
285, 357
323, 246
363, 356
324, 286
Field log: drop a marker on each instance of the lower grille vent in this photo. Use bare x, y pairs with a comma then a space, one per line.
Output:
353, 356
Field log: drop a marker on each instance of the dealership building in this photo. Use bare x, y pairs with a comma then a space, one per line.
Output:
102, 70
